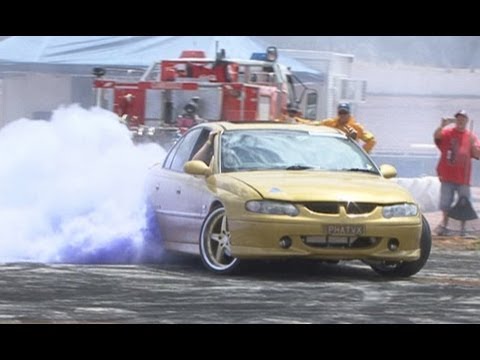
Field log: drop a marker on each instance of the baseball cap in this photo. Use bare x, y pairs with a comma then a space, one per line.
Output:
461, 112
293, 108
343, 107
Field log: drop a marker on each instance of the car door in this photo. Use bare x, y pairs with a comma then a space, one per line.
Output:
179, 196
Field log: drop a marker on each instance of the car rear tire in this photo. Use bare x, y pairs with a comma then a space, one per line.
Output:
406, 269
215, 248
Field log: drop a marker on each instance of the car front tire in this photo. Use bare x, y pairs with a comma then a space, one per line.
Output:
215, 249
406, 269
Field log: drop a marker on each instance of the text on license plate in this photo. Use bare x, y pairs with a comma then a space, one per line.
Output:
345, 230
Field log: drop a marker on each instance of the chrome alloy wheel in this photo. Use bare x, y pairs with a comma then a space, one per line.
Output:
215, 247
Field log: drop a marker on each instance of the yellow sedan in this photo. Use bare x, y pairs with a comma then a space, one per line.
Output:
232, 192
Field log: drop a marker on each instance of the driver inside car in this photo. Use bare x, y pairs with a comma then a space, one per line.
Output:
205, 153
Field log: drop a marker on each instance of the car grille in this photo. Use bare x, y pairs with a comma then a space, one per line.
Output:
361, 242
334, 207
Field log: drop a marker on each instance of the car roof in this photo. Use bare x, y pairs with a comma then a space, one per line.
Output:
265, 125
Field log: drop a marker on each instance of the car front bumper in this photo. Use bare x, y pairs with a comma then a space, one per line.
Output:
261, 238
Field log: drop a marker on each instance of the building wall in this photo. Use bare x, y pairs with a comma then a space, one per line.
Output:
33, 95
418, 80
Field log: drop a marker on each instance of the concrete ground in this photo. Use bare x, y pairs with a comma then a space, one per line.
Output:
455, 241
180, 290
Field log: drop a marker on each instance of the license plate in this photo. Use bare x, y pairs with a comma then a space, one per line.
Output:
345, 230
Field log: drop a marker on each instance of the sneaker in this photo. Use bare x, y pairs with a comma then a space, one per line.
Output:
467, 235
441, 230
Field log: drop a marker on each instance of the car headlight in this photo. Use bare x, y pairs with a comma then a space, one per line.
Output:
400, 210
271, 207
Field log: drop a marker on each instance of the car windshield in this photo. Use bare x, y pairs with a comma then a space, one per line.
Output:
293, 150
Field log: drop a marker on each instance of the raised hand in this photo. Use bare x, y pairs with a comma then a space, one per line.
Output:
351, 132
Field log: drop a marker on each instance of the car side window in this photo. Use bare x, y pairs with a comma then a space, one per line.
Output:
201, 140
184, 150
169, 158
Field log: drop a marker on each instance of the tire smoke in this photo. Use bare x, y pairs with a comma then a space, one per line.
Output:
72, 188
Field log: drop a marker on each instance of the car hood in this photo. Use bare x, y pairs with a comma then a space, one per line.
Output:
298, 186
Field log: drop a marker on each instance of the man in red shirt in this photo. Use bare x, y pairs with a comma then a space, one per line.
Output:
458, 146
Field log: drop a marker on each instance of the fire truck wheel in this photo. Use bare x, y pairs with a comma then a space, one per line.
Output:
215, 243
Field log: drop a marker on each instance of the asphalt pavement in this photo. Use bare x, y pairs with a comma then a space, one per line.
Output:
179, 290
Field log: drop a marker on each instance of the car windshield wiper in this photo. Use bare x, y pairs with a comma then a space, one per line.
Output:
298, 167
370, 171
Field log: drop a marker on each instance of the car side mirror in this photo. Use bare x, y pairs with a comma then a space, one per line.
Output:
197, 167
388, 171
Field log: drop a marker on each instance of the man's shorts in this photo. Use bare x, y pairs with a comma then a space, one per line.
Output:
447, 192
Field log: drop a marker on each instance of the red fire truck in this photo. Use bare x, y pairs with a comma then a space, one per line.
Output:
176, 94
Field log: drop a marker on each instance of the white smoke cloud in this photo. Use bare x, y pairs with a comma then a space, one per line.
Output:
71, 189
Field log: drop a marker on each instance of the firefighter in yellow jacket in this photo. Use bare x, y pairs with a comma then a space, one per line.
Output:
291, 115
347, 123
